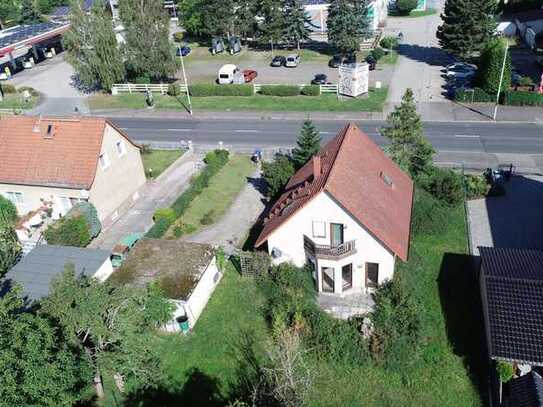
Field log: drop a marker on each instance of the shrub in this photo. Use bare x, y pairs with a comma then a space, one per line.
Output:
280, 90
277, 173
7, 88
88, 211
377, 53
216, 158
526, 81
444, 185
220, 90
69, 231
429, 217
406, 6
505, 370
490, 67
522, 98
146, 149
476, 186
208, 218
312, 90
389, 42
174, 89
158, 229
142, 80
8, 211
179, 36
475, 95
33, 92
167, 213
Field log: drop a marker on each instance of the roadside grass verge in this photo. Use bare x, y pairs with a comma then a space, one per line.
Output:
216, 198
373, 102
159, 160
414, 13
15, 101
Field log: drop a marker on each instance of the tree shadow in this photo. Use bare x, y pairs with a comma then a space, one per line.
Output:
430, 55
461, 305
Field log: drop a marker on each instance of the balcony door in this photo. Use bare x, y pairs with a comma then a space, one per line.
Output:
336, 234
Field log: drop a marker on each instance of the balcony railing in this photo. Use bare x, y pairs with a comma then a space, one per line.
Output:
328, 252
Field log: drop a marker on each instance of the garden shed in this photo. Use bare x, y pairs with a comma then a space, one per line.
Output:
187, 273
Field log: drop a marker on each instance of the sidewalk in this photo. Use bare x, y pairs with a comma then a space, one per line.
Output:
158, 193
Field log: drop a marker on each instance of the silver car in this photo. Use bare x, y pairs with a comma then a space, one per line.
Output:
292, 61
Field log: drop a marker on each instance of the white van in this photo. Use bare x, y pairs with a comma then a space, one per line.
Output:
230, 73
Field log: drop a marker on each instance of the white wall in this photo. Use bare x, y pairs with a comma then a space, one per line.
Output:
288, 238
105, 270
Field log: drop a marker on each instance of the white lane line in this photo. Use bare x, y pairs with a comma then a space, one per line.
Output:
466, 136
179, 129
246, 131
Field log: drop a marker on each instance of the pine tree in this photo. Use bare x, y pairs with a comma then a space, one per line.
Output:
147, 30
348, 24
30, 12
296, 21
490, 67
308, 144
467, 26
92, 47
408, 147
272, 25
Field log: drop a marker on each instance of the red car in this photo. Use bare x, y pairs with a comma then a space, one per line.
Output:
249, 74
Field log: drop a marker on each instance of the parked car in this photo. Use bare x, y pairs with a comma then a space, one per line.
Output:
249, 75
460, 65
121, 249
319, 79
338, 60
183, 51
461, 72
292, 61
230, 73
278, 60
372, 62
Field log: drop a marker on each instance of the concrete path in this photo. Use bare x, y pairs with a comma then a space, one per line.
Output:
158, 193
230, 231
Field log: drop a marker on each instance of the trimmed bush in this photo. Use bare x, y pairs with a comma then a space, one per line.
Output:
69, 231
7, 88
174, 89
444, 185
178, 36
406, 6
522, 98
204, 89
159, 229
280, 90
377, 53
475, 95
8, 211
490, 67
476, 186
33, 92
88, 211
389, 42
167, 213
312, 90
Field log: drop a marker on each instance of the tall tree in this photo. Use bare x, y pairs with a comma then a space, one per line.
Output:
467, 26
408, 147
92, 47
30, 12
10, 248
348, 24
271, 26
490, 67
277, 173
218, 20
308, 144
37, 366
113, 325
245, 21
147, 30
296, 22
190, 12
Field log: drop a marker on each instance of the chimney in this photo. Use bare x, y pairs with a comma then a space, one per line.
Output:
316, 166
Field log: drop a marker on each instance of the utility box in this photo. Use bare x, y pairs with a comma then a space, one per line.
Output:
234, 45
217, 45
354, 79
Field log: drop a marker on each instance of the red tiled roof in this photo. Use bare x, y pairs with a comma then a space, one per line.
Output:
361, 179
66, 157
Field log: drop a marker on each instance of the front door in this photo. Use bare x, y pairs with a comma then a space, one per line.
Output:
336, 234
372, 275
347, 276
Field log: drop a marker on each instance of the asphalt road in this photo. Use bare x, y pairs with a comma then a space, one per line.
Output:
469, 137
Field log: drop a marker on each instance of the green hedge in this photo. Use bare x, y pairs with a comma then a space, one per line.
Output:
522, 98
8, 211
7, 88
215, 160
69, 231
89, 213
280, 90
475, 95
312, 90
203, 89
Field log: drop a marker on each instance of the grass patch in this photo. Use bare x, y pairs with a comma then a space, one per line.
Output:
15, 101
373, 102
390, 59
415, 13
217, 197
159, 160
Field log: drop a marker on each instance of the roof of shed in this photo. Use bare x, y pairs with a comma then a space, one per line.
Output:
526, 391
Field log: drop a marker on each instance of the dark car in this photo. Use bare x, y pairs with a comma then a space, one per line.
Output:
336, 61
182, 51
319, 79
372, 62
278, 60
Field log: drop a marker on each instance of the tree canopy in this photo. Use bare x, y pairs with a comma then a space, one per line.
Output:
490, 67
348, 24
277, 173
307, 144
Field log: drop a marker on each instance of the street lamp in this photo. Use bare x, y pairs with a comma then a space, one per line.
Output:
501, 80
185, 79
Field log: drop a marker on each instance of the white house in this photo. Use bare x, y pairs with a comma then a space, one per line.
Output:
347, 212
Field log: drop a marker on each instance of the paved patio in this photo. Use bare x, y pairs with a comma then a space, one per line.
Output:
347, 306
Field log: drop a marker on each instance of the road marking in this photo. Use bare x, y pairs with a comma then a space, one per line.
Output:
325, 132
179, 129
246, 131
466, 136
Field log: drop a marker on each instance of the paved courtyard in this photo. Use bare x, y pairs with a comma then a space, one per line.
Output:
347, 306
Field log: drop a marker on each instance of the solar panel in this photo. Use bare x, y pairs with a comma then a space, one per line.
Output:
17, 34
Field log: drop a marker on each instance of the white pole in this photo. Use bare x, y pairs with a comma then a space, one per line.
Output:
501, 80
185, 79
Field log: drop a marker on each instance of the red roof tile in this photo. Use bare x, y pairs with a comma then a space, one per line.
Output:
67, 156
361, 179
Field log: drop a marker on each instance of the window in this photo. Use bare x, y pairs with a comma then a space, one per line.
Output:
104, 161
15, 197
319, 229
121, 149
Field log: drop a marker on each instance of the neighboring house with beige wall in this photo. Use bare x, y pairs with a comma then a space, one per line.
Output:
347, 213
60, 162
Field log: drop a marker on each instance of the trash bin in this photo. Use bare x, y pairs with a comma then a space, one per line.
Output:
183, 322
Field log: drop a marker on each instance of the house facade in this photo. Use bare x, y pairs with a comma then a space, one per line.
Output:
56, 163
346, 213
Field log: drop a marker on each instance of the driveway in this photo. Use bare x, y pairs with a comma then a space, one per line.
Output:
159, 193
514, 220
53, 78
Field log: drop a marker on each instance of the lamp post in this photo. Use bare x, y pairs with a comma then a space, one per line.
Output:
501, 80
185, 79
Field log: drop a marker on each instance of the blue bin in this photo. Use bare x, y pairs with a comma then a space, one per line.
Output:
183, 322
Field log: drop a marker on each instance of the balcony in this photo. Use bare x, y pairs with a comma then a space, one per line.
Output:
328, 252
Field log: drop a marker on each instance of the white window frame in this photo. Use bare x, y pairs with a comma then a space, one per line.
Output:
104, 161
318, 228
17, 198
120, 147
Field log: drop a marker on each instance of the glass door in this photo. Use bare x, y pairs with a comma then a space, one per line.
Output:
347, 276
336, 234
327, 274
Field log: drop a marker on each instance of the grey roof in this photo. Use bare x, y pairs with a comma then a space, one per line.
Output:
526, 391
512, 297
64, 11
36, 270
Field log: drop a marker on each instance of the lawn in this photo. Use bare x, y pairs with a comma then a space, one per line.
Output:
373, 102
415, 13
159, 160
216, 198
15, 101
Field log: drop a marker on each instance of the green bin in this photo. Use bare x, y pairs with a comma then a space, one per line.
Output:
183, 322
